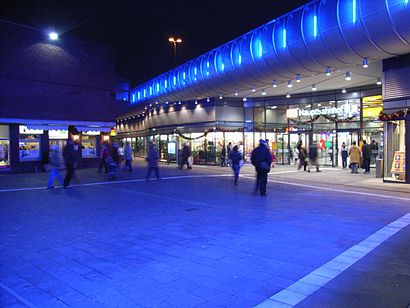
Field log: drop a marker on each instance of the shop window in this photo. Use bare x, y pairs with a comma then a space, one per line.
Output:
4, 146
29, 147
395, 153
89, 146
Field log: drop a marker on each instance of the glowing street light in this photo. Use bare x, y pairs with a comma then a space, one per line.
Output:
53, 36
175, 41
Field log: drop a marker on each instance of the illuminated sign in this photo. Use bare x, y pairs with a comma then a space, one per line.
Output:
24, 130
346, 111
292, 113
57, 134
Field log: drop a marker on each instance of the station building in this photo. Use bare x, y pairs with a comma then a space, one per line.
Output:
52, 90
332, 71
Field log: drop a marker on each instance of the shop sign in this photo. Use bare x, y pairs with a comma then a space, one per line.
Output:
92, 133
344, 111
57, 134
292, 113
24, 130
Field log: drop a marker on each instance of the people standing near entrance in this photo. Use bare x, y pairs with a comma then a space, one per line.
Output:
235, 162
120, 154
313, 156
54, 164
128, 156
186, 153
70, 158
344, 154
261, 159
229, 150
223, 156
152, 160
302, 155
240, 149
366, 155
354, 155
103, 157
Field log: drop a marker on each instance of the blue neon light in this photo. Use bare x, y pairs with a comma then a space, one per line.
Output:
315, 26
284, 38
150, 90
139, 95
195, 70
157, 87
145, 93
222, 66
354, 11
133, 98
260, 49
183, 75
175, 80
239, 59
166, 83
406, 1
207, 64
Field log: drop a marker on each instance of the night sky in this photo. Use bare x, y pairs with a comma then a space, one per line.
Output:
139, 29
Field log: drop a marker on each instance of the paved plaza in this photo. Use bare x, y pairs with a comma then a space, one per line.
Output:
193, 239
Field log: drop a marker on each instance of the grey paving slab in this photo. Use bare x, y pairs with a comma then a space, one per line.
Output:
198, 242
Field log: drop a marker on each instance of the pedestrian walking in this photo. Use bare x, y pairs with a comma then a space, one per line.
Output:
313, 156
152, 160
128, 156
70, 158
235, 162
223, 156
120, 154
261, 159
54, 164
103, 157
112, 168
302, 155
374, 147
114, 153
229, 150
366, 155
344, 154
186, 153
354, 155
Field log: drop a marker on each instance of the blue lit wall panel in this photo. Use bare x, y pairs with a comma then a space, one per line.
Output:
280, 36
269, 54
296, 45
399, 13
331, 34
353, 31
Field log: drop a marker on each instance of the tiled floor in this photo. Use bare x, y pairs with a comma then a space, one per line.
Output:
195, 241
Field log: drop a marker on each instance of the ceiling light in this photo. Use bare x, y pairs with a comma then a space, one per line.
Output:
308, 106
319, 105
348, 76
327, 71
179, 103
274, 84
166, 103
290, 85
263, 92
297, 77
236, 92
196, 102
344, 90
365, 63
244, 99
253, 89
220, 96
208, 99
379, 81
287, 95
53, 36
274, 107
314, 87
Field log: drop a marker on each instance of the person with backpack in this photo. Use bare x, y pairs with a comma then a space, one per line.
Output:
262, 160
235, 162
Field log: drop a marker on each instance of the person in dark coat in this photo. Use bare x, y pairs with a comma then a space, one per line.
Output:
344, 154
223, 156
229, 150
261, 159
70, 158
302, 155
235, 162
103, 157
186, 152
366, 155
313, 156
152, 160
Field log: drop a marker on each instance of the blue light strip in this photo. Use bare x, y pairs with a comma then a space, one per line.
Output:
315, 26
284, 38
239, 59
260, 49
354, 11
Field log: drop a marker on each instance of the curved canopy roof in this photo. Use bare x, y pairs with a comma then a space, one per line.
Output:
319, 42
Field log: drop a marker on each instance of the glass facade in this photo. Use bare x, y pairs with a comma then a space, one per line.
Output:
395, 151
4, 146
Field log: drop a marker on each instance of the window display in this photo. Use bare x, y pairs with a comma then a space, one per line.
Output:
4, 146
29, 144
395, 151
89, 146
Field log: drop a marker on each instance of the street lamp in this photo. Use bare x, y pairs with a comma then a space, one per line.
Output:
175, 41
